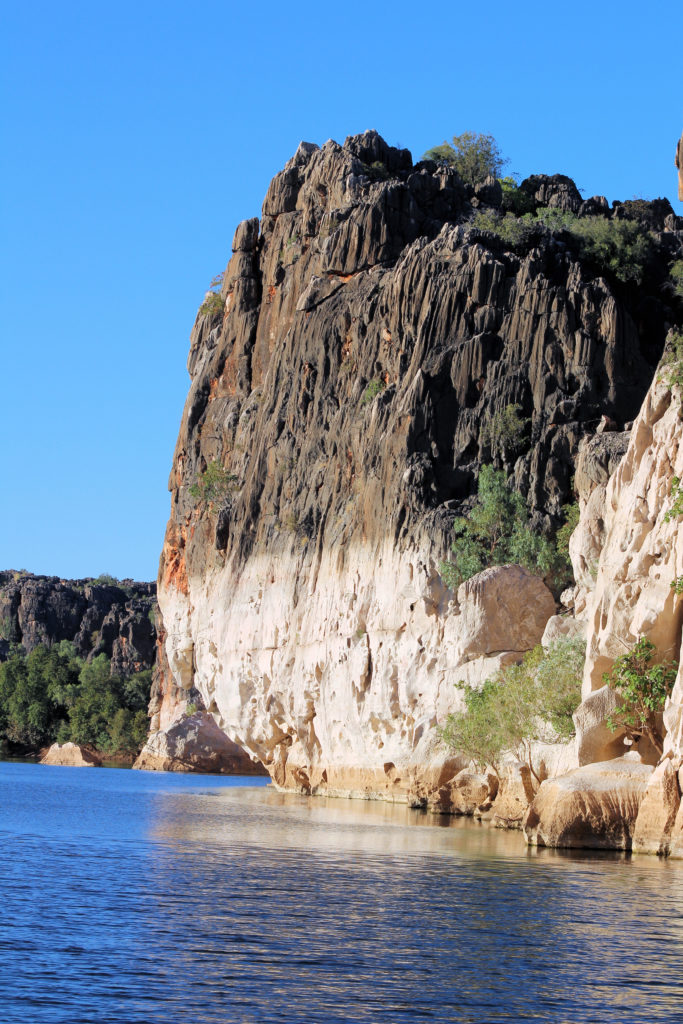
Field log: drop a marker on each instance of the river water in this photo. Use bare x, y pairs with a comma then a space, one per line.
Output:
143, 898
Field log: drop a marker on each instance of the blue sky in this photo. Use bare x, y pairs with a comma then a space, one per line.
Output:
137, 135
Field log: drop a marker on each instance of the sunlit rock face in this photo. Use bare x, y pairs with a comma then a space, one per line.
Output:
640, 556
366, 335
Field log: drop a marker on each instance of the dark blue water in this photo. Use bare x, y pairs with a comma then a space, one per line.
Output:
145, 898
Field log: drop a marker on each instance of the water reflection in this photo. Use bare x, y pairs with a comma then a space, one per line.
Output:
379, 913
146, 900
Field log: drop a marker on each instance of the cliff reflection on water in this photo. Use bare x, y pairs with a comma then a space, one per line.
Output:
132, 897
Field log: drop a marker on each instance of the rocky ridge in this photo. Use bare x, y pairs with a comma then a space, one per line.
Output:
98, 617
367, 330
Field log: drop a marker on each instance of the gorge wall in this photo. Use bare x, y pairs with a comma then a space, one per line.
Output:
367, 330
99, 616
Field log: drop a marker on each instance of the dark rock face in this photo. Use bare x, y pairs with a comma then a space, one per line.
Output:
369, 331
116, 620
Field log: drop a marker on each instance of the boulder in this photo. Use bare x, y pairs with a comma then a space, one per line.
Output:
196, 744
466, 793
658, 811
71, 755
515, 793
594, 807
501, 606
594, 740
562, 627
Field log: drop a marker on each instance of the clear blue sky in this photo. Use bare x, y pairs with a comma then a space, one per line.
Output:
137, 135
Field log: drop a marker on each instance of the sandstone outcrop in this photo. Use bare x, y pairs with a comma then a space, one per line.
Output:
195, 744
640, 557
368, 329
593, 807
112, 618
657, 813
71, 755
466, 793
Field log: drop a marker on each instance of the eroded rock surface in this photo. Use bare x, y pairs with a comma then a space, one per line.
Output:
368, 331
71, 755
116, 619
640, 555
196, 744
593, 807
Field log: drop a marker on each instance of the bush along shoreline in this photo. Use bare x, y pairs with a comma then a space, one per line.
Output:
53, 696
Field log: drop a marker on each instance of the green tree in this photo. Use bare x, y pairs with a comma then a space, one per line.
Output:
474, 156
533, 700
643, 688
497, 531
677, 277
504, 432
214, 486
563, 535
214, 303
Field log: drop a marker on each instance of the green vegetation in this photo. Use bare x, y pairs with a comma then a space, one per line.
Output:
214, 303
677, 277
376, 171
677, 585
515, 199
475, 157
519, 704
214, 486
51, 694
571, 521
105, 579
497, 531
643, 688
374, 388
514, 231
620, 247
672, 361
676, 494
504, 432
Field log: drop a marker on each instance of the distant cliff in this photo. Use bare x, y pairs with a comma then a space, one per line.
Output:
100, 616
367, 328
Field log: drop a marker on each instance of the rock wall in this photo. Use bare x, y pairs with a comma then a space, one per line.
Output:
368, 331
98, 617
640, 554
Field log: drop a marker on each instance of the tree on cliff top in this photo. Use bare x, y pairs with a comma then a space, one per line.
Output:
475, 157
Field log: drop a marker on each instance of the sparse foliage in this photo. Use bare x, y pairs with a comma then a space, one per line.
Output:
677, 277
643, 688
213, 304
214, 487
474, 156
374, 388
571, 517
504, 432
515, 199
533, 700
620, 247
676, 508
672, 361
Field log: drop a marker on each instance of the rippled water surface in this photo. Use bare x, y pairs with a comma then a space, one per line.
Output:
137, 897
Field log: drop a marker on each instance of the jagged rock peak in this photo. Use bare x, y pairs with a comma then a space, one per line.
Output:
369, 327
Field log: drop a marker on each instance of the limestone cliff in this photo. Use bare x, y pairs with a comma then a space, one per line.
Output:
367, 330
